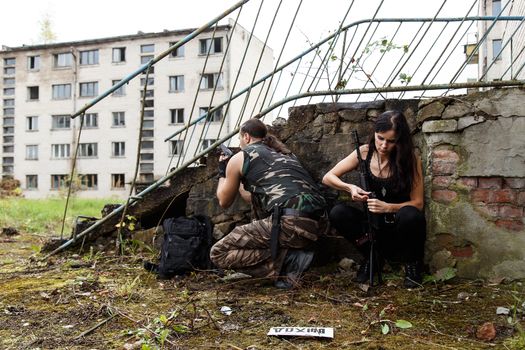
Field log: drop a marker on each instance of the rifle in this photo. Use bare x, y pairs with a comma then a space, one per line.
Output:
370, 222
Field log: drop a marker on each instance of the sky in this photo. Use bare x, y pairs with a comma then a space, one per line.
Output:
74, 20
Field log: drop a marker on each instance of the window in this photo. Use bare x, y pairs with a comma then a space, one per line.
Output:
146, 156
91, 120
58, 181
118, 149
9, 81
8, 149
32, 123
148, 103
146, 145
31, 182
147, 177
63, 60
209, 81
496, 49
11, 61
496, 7
151, 81
215, 116
88, 57
121, 91
32, 152
117, 181
147, 124
179, 51
176, 83
149, 93
9, 139
144, 167
10, 111
119, 119
119, 54
9, 130
8, 160
9, 102
147, 133
60, 151
61, 91
177, 116
9, 122
176, 147
206, 143
89, 89
149, 113
9, 91
147, 48
32, 93
88, 181
8, 169
33, 62
9, 70
145, 59
60, 122
211, 45
87, 150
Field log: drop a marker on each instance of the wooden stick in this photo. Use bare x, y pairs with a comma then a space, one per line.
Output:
100, 324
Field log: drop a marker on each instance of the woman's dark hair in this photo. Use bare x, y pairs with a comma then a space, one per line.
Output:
256, 128
402, 160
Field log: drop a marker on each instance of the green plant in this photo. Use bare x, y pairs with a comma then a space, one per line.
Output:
441, 275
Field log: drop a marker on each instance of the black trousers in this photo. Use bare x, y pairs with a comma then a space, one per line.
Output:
400, 238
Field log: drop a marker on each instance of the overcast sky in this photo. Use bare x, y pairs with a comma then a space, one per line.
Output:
75, 20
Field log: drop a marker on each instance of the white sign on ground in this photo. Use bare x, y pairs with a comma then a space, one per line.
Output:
320, 332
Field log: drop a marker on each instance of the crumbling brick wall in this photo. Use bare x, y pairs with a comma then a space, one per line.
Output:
473, 153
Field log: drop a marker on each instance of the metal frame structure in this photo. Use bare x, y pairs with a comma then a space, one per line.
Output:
333, 74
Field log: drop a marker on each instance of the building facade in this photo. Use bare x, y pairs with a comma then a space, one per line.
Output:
42, 86
501, 54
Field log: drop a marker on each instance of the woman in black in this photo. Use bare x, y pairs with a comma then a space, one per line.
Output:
395, 178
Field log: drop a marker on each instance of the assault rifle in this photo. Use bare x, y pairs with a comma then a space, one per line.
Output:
370, 222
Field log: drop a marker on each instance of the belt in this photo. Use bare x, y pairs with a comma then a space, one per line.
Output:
299, 213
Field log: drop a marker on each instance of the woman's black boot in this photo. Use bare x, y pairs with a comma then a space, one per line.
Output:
413, 272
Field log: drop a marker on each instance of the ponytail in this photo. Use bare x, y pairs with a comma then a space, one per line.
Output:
256, 128
272, 142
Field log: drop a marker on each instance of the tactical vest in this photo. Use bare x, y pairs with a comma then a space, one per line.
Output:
279, 179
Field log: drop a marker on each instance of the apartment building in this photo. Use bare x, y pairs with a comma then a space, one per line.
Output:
501, 54
43, 85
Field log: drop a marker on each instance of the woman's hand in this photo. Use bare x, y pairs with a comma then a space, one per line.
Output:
377, 206
358, 194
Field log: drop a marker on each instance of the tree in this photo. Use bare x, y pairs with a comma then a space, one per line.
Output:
46, 30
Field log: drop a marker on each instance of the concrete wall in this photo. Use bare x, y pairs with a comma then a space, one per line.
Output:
473, 154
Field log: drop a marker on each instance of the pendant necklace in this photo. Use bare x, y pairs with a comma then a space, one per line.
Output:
383, 189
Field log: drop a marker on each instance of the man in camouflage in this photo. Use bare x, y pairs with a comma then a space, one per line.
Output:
286, 200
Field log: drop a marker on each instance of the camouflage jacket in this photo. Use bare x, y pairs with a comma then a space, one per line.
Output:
279, 179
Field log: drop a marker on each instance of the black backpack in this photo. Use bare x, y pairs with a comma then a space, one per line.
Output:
186, 246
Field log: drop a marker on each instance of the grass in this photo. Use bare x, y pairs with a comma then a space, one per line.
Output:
44, 216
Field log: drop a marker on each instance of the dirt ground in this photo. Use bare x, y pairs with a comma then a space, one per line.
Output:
93, 300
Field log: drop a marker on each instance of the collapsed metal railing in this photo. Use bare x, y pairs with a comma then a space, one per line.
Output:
363, 46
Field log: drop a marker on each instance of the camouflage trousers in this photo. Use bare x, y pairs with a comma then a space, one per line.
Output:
247, 248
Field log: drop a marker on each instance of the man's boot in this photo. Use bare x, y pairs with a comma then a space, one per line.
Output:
295, 263
413, 277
